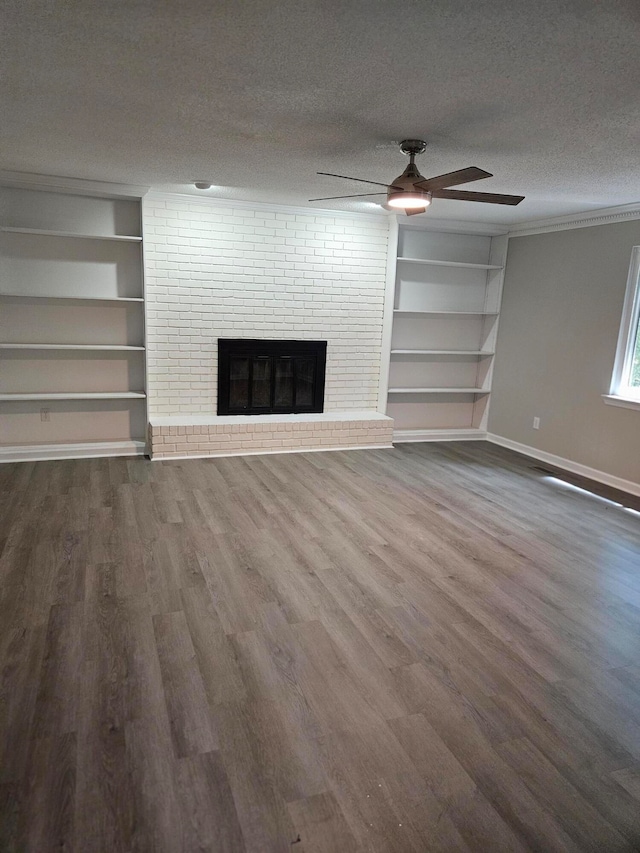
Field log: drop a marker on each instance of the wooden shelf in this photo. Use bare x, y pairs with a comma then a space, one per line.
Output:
459, 264
80, 395
42, 232
438, 391
427, 352
451, 313
88, 347
75, 298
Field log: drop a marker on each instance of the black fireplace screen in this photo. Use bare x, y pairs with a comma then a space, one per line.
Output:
270, 377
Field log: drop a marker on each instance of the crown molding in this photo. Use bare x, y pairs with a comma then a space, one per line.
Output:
188, 198
603, 216
75, 186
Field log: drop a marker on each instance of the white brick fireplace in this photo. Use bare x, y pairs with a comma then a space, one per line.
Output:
216, 270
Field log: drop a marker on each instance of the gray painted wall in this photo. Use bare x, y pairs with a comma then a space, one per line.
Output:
559, 324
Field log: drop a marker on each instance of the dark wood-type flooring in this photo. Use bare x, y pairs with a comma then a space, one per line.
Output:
431, 648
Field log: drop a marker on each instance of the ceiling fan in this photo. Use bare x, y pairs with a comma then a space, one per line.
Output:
413, 193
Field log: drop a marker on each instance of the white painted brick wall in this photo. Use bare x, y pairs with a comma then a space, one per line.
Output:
228, 436
215, 271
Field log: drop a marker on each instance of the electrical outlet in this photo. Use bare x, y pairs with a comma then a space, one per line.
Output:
536, 423
45, 415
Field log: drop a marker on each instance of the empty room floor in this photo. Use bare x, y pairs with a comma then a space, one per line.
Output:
431, 648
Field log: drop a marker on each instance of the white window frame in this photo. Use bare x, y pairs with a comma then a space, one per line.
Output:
620, 392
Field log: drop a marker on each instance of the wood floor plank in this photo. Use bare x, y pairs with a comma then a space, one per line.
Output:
608, 712
192, 731
11, 808
474, 817
50, 796
269, 664
208, 806
104, 808
144, 697
386, 803
372, 678
71, 561
184, 556
470, 811
240, 595
584, 756
292, 756
429, 648
581, 822
158, 817
327, 683
266, 825
19, 689
629, 779
215, 655
166, 503
161, 577
321, 826
455, 720
131, 578
59, 686
123, 507
546, 701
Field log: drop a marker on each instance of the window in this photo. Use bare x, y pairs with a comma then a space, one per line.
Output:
625, 382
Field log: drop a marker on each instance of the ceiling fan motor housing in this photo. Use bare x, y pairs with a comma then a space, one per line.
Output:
408, 178
405, 183
411, 175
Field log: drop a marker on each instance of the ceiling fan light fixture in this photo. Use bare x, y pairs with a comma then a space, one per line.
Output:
408, 199
413, 193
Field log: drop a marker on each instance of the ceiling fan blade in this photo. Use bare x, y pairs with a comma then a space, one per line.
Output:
462, 176
361, 180
329, 197
414, 210
487, 198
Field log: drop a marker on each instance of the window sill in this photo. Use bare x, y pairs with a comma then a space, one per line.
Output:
623, 402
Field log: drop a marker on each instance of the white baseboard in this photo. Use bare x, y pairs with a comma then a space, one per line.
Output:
567, 464
81, 450
224, 454
403, 435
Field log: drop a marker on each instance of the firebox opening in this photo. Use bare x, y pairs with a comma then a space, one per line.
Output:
262, 377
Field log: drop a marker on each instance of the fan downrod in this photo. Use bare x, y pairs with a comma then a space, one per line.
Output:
412, 147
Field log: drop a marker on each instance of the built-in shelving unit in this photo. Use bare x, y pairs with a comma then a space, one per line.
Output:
70, 274
445, 319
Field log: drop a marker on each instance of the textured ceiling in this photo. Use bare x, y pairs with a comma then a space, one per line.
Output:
257, 95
